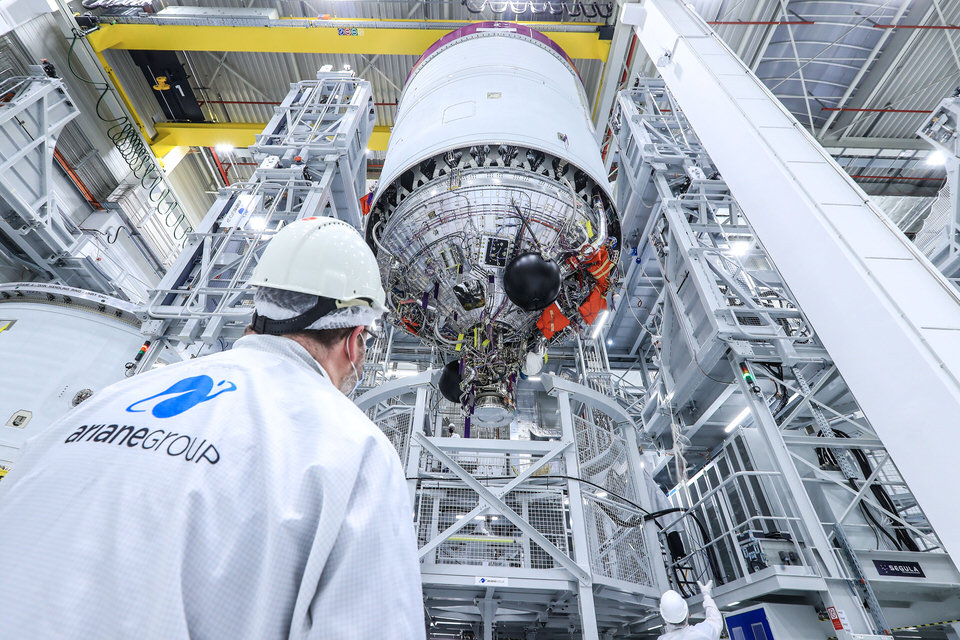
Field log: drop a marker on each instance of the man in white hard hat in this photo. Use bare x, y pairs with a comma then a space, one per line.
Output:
676, 615
238, 495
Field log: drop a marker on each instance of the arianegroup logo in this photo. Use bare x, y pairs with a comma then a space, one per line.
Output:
182, 396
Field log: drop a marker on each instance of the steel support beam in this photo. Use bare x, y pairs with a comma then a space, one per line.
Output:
836, 144
290, 37
860, 282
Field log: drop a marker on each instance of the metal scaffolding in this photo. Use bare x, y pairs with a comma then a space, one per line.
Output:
312, 163
804, 468
527, 537
36, 233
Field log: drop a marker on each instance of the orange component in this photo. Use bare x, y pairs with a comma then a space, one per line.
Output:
599, 265
365, 203
552, 321
593, 305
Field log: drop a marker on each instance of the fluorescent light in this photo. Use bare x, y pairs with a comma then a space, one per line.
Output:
369, 152
223, 148
601, 494
598, 325
732, 604
936, 158
736, 421
257, 223
533, 378
461, 516
609, 343
739, 248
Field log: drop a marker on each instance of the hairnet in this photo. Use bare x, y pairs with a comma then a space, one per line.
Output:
279, 304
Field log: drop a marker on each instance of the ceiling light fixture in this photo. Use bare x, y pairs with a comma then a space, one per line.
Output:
936, 158
598, 327
736, 421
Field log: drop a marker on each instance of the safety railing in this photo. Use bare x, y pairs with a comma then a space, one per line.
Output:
740, 523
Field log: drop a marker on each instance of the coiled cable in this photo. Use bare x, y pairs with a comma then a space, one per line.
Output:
125, 137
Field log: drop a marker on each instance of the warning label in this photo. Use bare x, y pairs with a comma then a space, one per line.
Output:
835, 618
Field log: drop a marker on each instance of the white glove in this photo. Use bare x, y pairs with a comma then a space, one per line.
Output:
706, 589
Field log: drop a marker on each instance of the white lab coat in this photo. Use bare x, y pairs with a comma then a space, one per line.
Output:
709, 629
277, 510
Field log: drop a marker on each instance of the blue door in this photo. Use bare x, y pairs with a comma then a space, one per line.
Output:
749, 625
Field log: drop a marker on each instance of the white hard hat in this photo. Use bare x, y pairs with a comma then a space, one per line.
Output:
324, 257
673, 608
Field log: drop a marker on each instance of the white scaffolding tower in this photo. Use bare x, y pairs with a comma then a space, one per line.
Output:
798, 488
312, 163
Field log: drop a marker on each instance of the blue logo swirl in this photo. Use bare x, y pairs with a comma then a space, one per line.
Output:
186, 394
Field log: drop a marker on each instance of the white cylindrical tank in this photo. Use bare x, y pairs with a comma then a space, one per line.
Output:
58, 346
494, 83
493, 221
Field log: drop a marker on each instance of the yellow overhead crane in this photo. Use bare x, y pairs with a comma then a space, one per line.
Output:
380, 40
171, 135
299, 37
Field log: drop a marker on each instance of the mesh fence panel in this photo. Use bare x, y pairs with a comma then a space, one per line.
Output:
395, 419
492, 539
617, 546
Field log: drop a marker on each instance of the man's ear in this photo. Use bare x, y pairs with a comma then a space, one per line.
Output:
351, 344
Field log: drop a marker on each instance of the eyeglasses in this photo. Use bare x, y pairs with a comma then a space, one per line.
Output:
370, 336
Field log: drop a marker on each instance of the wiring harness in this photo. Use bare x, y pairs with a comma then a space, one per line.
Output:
124, 135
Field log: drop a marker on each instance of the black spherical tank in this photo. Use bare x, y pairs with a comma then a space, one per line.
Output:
449, 382
531, 282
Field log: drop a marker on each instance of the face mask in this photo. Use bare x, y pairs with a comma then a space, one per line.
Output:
358, 377
352, 381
